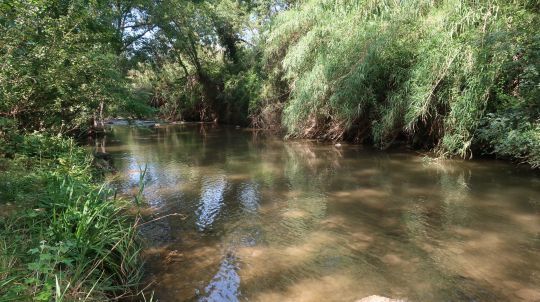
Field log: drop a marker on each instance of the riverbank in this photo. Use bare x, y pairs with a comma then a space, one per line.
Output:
64, 236
481, 152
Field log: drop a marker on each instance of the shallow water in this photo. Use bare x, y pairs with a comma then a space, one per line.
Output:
254, 218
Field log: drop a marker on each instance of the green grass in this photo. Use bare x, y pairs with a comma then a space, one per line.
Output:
63, 236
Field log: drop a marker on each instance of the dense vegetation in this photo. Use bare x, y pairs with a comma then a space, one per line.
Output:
459, 77
59, 68
63, 237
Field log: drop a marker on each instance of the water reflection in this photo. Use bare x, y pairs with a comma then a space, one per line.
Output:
211, 201
249, 197
225, 285
260, 219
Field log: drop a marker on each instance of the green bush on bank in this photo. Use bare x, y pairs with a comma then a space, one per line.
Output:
62, 237
436, 74
512, 136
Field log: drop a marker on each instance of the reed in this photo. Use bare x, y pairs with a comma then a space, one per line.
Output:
433, 73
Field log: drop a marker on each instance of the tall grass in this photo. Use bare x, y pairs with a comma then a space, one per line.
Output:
65, 238
425, 71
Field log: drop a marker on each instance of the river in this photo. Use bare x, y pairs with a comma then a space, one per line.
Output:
245, 216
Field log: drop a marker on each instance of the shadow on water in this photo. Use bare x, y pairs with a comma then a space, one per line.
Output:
259, 219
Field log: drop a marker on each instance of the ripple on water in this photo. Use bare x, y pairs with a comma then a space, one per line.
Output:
266, 220
211, 201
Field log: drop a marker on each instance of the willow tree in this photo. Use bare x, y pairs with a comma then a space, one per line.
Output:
431, 73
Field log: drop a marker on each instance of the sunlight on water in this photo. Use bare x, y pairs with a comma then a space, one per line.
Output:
249, 197
211, 201
254, 218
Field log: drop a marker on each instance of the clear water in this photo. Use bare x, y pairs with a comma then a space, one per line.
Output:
243, 216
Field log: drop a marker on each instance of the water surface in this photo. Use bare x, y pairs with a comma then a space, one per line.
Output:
243, 216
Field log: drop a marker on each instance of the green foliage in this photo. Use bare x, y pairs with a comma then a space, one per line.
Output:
198, 64
8, 136
62, 237
166, 88
241, 88
512, 136
58, 67
381, 70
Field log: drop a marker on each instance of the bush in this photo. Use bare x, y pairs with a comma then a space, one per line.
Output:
422, 71
512, 136
62, 237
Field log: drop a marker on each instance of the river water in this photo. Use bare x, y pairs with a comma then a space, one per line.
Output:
244, 216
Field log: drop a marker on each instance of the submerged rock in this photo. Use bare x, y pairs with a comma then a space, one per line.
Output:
375, 298
103, 161
102, 155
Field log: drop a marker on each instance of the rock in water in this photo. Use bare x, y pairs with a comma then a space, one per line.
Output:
102, 155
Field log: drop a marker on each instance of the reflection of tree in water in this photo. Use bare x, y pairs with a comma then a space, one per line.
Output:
456, 193
278, 209
225, 285
307, 173
444, 206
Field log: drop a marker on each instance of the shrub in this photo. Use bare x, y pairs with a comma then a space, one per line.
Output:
427, 72
62, 236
